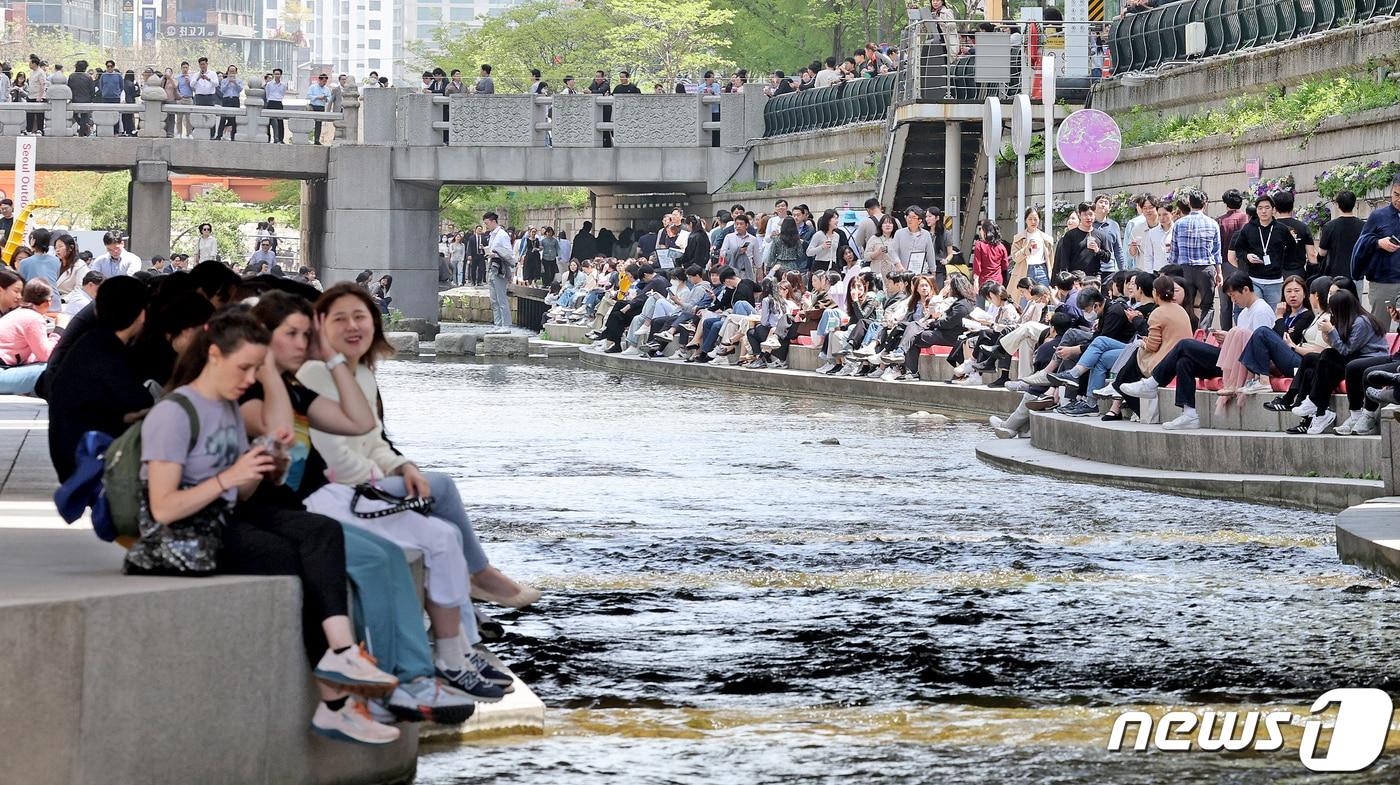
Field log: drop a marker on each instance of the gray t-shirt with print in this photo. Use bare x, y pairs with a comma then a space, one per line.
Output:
165, 436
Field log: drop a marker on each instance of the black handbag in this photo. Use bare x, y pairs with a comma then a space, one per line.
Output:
422, 505
188, 547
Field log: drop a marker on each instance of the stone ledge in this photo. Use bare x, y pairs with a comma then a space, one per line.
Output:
1315, 493
1368, 535
957, 399
1205, 450
403, 343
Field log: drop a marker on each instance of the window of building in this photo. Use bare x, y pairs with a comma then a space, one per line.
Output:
426, 31
374, 43
429, 14
375, 24
462, 14
374, 5
373, 64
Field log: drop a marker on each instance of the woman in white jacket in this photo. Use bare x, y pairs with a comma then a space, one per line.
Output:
353, 324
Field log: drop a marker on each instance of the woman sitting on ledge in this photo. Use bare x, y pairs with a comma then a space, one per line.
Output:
386, 598
890, 352
943, 327
862, 306
198, 465
1004, 318
25, 341
1352, 335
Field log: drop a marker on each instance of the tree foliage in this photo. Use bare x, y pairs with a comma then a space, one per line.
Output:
660, 39
61, 47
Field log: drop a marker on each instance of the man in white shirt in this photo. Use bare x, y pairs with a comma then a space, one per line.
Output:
86, 292
1135, 233
117, 261
274, 92
869, 226
738, 248
774, 227
500, 268
828, 76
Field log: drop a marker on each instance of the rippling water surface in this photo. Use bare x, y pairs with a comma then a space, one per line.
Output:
729, 599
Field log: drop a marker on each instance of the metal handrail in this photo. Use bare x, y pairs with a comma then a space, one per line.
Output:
1147, 40
854, 101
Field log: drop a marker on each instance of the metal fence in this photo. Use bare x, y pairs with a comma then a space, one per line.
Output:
856, 101
1151, 39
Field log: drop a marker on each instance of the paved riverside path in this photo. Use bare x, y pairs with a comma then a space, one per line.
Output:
27, 479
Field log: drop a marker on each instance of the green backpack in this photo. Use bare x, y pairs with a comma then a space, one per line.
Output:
121, 472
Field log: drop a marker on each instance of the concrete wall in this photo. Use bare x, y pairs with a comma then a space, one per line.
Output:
1217, 163
1190, 88
128, 681
835, 148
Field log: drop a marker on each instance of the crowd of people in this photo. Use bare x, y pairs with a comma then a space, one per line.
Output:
262, 449
1102, 312
193, 85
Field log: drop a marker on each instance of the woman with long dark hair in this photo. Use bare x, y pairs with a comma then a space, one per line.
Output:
199, 470
1352, 334
71, 269
786, 249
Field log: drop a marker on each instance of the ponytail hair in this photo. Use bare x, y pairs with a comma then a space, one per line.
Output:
228, 329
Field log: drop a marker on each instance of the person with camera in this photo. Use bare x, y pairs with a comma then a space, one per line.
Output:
500, 263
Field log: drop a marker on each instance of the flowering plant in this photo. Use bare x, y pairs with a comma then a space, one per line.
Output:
1314, 214
1359, 177
1273, 185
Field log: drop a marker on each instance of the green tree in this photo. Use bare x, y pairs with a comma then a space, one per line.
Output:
667, 39
557, 38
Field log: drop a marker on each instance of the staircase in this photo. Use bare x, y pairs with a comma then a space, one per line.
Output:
913, 169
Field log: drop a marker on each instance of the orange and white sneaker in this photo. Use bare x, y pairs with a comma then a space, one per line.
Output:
352, 723
355, 670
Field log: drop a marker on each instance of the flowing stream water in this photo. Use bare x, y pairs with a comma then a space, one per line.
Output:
746, 588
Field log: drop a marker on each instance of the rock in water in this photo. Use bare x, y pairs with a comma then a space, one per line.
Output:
928, 416
831, 441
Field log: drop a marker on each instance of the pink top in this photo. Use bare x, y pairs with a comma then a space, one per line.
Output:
24, 338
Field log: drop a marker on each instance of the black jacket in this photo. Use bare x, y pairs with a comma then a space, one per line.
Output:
697, 251
93, 390
1113, 323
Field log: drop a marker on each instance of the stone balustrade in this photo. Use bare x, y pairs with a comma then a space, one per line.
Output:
399, 116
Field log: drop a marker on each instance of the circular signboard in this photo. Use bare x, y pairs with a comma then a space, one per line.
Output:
1088, 141
1021, 132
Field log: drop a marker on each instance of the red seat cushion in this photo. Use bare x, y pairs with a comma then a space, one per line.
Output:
804, 340
1212, 385
937, 351
1280, 383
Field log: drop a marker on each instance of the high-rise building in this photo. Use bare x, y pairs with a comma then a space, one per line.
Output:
90, 21
357, 36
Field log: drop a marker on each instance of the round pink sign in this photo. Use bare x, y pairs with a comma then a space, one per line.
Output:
1088, 141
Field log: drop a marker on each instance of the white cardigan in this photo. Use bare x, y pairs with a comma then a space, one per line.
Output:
351, 460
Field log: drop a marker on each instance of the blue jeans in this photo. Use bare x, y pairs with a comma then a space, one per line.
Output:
500, 301
388, 615
1098, 358
1271, 292
1037, 274
20, 379
712, 325
1267, 346
590, 303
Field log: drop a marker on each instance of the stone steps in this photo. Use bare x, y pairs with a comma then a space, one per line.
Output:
1327, 494
1369, 535
1206, 450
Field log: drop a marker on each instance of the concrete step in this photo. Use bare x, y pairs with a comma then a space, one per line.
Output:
1206, 450
1369, 535
1326, 494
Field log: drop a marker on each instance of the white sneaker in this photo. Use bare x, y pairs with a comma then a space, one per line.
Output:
631, 351
1183, 422
1017, 385
851, 368
1107, 391
1307, 409
890, 374
1368, 425
969, 381
1254, 387
1037, 379
1345, 428
722, 359
352, 723
354, 670
1321, 422
1147, 388
825, 368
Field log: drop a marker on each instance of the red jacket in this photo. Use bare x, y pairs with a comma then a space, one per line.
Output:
990, 262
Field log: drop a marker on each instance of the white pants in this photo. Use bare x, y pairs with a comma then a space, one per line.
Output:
448, 581
1022, 339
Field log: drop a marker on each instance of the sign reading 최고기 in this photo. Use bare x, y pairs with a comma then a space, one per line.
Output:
170, 30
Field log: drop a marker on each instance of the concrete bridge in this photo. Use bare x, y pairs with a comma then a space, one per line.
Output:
370, 198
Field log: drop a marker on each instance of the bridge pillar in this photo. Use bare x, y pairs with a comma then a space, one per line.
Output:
148, 209
374, 222
952, 178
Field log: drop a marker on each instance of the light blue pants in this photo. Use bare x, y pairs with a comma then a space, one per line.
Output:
388, 615
447, 505
20, 379
500, 303
1099, 358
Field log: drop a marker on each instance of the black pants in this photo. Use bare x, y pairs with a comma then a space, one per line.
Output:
275, 125
1332, 368
1202, 278
316, 132
1357, 371
618, 319
228, 122
922, 341
1130, 373
1188, 361
1302, 379
476, 271
263, 539
1223, 306
205, 100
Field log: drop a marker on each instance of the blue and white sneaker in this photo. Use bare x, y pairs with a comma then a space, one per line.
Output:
489, 673
427, 700
470, 681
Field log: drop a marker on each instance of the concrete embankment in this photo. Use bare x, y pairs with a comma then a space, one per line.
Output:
116, 680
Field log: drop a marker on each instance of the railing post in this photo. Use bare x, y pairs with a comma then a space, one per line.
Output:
253, 110
60, 95
348, 127
153, 112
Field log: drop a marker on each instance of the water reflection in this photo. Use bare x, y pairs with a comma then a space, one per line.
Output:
733, 600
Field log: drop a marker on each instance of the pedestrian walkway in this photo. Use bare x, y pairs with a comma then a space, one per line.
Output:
27, 479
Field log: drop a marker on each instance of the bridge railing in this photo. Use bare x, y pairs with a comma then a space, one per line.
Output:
854, 101
655, 120
61, 116
1189, 29
953, 61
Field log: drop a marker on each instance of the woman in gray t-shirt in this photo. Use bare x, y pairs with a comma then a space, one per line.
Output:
261, 537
